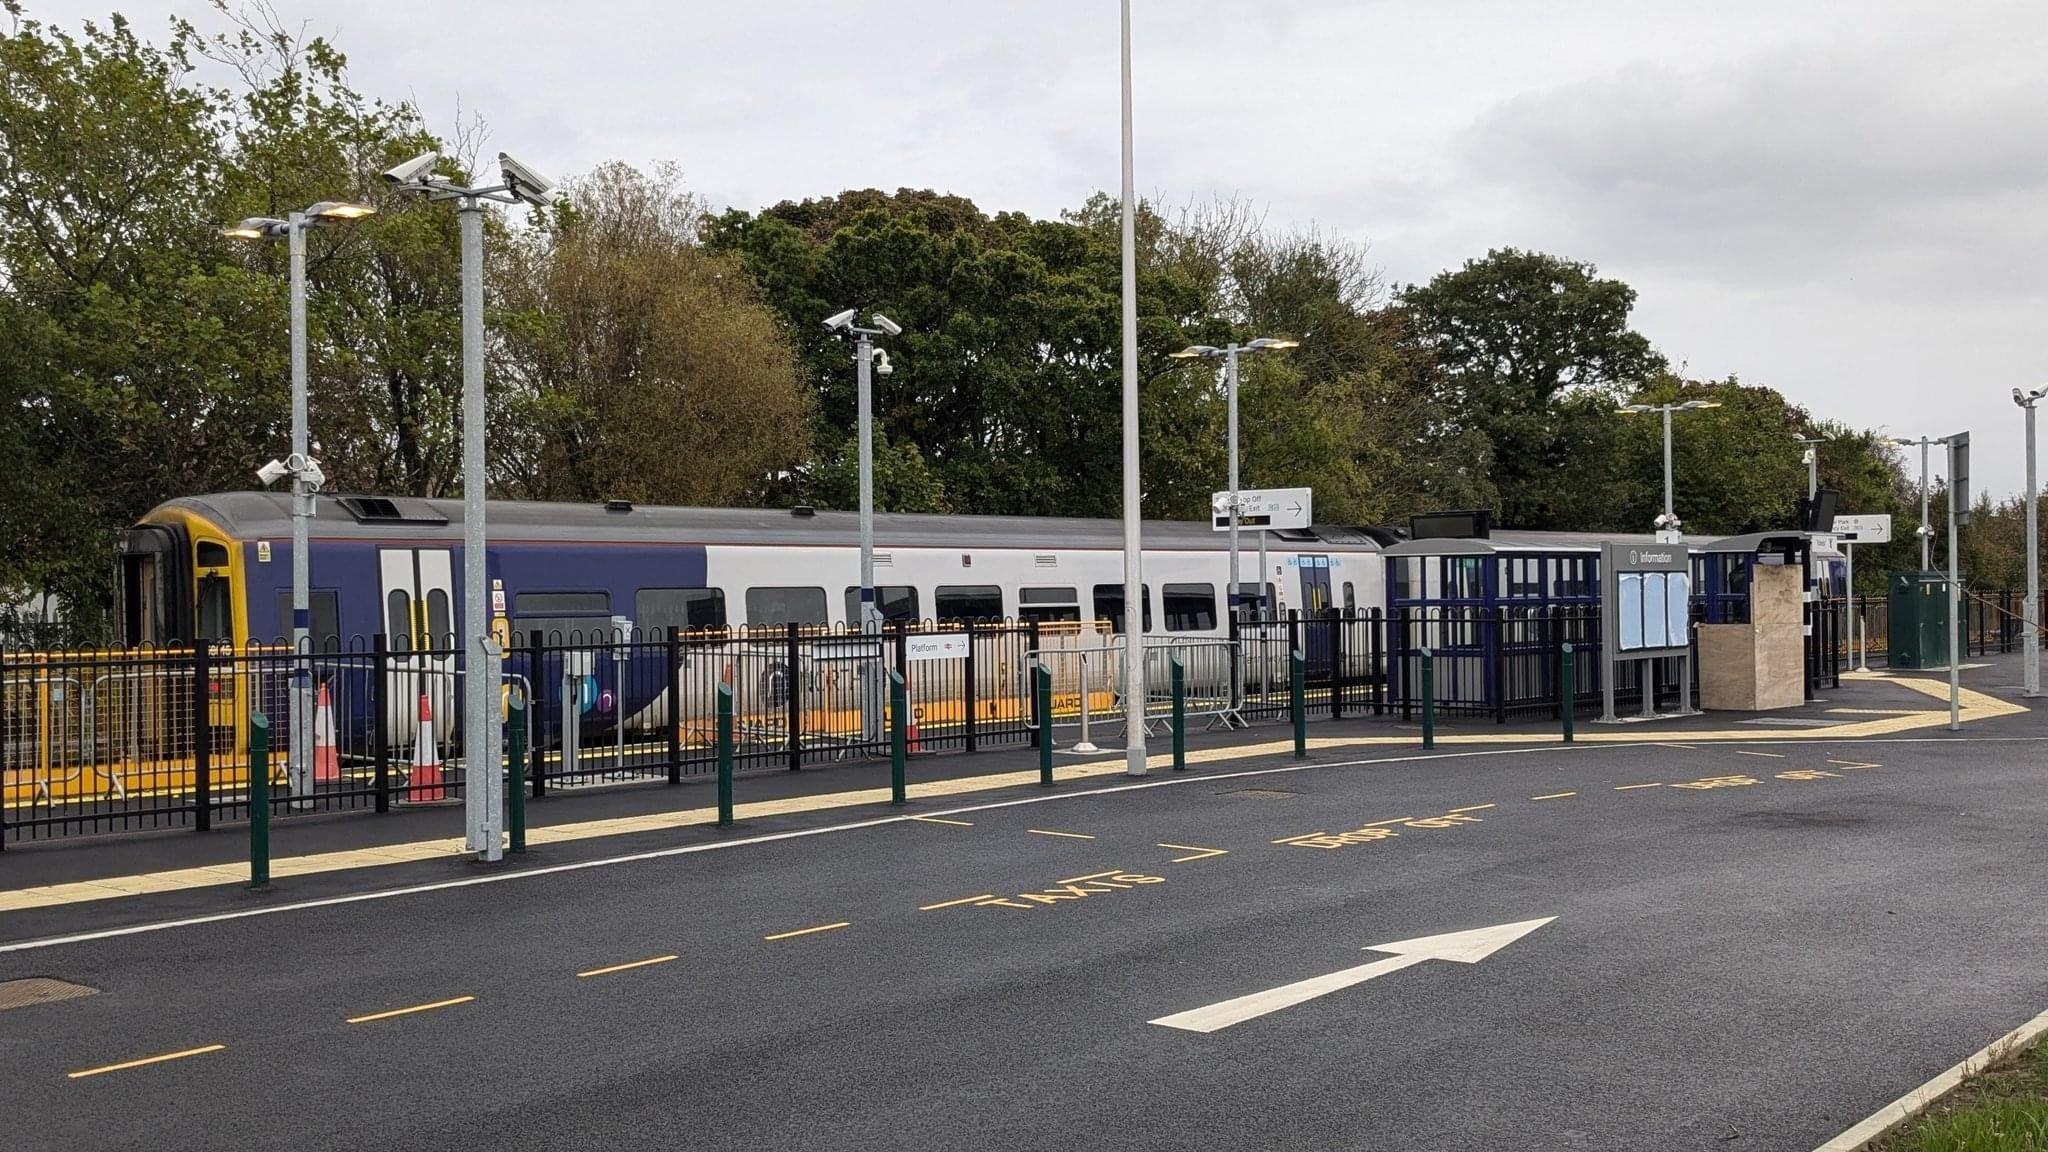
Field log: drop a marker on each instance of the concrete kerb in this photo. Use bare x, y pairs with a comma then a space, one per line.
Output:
1874, 1126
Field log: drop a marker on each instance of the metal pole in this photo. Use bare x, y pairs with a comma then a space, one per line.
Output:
259, 800
1667, 469
299, 709
870, 612
1230, 386
1926, 529
1085, 745
483, 783
2032, 614
1955, 672
1134, 581
1266, 612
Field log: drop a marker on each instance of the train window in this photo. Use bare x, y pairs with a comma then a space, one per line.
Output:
398, 619
561, 604
216, 613
1048, 604
440, 625
1350, 598
786, 606
1249, 598
896, 602
552, 630
325, 630
658, 609
212, 554
1109, 605
968, 602
1189, 607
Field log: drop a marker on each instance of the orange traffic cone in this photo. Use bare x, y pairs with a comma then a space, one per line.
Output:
425, 783
326, 759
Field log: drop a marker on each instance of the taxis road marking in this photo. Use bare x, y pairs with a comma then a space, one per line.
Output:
807, 931
943, 820
1068, 835
1200, 853
448, 1003
82, 1073
1633, 787
649, 962
1554, 796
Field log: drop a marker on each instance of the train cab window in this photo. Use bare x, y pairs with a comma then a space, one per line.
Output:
968, 602
216, 611
1048, 604
1189, 607
547, 617
658, 609
325, 629
805, 606
896, 602
212, 554
1109, 605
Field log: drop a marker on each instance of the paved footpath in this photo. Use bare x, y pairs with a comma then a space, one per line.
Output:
1699, 942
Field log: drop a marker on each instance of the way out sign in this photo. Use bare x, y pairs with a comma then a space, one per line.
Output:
1870, 529
935, 646
1264, 508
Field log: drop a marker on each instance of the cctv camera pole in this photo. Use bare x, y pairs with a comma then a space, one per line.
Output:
299, 709
1670, 520
1926, 530
2033, 612
1134, 580
864, 359
483, 782
1955, 656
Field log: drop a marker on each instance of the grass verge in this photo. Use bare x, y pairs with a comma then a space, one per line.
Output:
2002, 1109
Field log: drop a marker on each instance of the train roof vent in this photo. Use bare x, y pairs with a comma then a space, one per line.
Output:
385, 510
885, 559
1045, 560
1301, 534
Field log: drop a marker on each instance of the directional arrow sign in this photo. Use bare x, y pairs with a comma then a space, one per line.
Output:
1468, 947
1274, 508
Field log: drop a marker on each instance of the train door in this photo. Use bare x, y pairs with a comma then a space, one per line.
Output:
1315, 605
419, 622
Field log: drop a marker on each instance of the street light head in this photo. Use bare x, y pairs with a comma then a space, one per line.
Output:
413, 171
340, 210
272, 472
1633, 409
527, 184
1695, 405
1195, 352
887, 325
256, 228
840, 321
1273, 343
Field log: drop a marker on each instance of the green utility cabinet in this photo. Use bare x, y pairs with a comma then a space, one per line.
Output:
1918, 611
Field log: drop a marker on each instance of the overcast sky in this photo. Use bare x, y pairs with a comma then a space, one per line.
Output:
1844, 201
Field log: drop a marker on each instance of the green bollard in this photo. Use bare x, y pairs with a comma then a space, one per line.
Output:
515, 765
725, 755
1568, 687
259, 800
899, 739
1300, 705
1180, 716
1428, 700
1044, 726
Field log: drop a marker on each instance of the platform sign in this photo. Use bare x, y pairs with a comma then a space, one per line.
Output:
935, 646
1267, 508
1646, 608
1875, 528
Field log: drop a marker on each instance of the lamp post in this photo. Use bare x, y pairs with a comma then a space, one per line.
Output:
1926, 530
1229, 354
2032, 615
484, 783
1134, 576
305, 475
1667, 525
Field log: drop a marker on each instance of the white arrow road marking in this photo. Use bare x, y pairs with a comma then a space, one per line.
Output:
1467, 947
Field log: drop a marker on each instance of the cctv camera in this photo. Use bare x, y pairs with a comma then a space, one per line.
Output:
2019, 397
272, 472
888, 325
882, 365
413, 170
525, 183
840, 320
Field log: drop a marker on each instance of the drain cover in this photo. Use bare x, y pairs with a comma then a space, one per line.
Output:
1262, 793
39, 990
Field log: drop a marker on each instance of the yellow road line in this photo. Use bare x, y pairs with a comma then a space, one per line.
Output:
1068, 835
649, 962
448, 1003
82, 1073
1395, 820
807, 931
1772, 755
1681, 747
951, 903
1199, 853
1472, 808
1633, 787
1090, 876
1554, 796
943, 820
